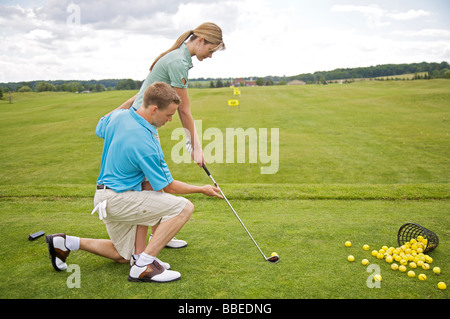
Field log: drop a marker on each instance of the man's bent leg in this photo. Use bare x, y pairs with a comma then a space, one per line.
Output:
167, 230
101, 247
141, 239
148, 268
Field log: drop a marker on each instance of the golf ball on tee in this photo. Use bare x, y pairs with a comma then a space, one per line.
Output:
273, 254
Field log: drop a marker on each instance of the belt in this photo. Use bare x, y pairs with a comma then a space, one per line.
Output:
103, 187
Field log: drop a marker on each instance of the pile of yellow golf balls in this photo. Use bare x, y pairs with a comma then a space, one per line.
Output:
409, 258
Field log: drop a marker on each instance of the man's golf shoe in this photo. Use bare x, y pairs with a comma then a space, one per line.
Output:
57, 250
153, 272
174, 243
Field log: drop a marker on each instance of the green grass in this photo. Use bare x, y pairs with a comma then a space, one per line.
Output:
356, 162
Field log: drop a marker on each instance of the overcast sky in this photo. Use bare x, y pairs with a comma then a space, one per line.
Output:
104, 39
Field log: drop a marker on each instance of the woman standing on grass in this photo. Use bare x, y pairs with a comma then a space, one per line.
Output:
172, 67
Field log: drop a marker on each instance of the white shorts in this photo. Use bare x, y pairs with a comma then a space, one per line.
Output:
128, 209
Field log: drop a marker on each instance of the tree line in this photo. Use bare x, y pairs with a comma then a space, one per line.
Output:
71, 86
432, 70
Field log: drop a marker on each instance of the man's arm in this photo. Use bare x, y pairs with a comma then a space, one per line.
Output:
126, 105
177, 187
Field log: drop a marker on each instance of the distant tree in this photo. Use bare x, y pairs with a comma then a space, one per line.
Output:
24, 88
43, 86
211, 84
219, 83
75, 87
127, 84
447, 75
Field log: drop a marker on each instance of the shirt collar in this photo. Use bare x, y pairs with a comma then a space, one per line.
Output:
143, 122
187, 54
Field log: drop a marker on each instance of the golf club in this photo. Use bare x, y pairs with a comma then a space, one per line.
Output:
274, 258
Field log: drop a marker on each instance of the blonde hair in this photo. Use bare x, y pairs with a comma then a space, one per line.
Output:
211, 32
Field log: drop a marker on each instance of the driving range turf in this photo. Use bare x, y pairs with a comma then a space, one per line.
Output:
356, 162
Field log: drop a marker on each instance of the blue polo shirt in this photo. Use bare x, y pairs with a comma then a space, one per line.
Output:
131, 151
172, 68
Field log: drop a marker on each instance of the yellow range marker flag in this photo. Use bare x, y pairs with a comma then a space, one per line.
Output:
233, 102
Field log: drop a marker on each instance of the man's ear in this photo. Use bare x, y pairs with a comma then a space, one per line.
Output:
153, 109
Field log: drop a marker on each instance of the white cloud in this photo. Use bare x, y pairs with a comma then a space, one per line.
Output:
375, 15
427, 33
120, 39
409, 15
368, 10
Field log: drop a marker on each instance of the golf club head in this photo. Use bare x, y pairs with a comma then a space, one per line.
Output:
188, 146
273, 259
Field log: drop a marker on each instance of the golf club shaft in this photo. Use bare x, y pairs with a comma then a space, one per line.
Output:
224, 197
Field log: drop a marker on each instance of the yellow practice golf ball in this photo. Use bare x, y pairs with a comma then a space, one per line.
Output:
442, 285
403, 262
377, 278
366, 247
348, 243
350, 258
389, 259
411, 274
273, 254
425, 266
437, 270
402, 268
365, 262
412, 265
374, 253
380, 256
394, 266
422, 277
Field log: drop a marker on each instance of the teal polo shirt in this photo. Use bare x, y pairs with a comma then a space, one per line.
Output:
131, 151
172, 68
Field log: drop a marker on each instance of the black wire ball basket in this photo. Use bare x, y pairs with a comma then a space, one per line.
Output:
410, 231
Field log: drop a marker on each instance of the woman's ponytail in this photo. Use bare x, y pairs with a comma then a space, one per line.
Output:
208, 30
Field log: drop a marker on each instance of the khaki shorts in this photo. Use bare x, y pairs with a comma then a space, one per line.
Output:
128, 209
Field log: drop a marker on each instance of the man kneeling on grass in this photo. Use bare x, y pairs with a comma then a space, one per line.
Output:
131, 152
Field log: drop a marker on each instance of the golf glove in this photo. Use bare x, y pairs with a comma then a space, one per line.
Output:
101, 209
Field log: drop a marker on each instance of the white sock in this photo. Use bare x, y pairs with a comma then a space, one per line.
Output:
72, 242
144, 259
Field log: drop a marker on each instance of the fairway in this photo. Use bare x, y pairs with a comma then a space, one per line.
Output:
356, 161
